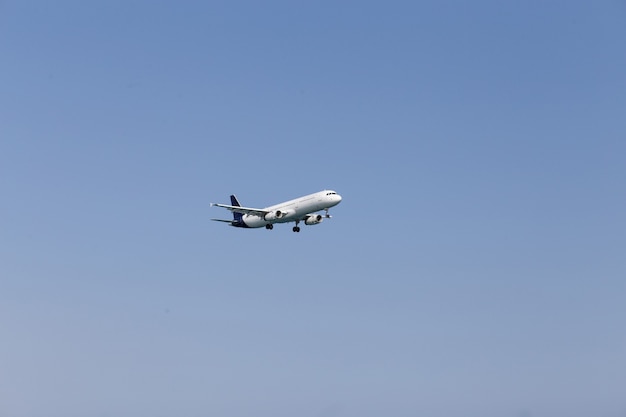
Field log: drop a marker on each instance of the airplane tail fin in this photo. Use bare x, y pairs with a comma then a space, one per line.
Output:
233, 201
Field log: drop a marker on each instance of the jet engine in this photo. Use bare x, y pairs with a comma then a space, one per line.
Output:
314, 219
278, 214
273, 215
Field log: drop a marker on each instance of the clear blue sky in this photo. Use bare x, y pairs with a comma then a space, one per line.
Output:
477, 263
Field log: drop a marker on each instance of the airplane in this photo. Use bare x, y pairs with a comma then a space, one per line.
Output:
302, 209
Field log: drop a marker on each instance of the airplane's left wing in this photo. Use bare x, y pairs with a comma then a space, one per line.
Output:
242, 210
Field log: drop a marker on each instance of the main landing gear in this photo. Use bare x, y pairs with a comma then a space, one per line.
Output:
296, 228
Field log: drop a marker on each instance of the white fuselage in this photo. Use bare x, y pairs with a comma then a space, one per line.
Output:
295, 210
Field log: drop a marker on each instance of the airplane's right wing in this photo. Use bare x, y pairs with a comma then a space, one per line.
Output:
222, 220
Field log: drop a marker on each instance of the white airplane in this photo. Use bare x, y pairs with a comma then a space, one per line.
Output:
300, 209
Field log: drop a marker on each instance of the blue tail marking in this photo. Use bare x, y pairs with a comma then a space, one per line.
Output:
237, 217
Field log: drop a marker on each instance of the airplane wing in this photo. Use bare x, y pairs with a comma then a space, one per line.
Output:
242, 210
222, 220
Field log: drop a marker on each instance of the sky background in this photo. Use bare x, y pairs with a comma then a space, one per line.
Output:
475, 267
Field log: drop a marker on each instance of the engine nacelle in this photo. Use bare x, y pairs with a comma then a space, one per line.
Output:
273, 215
314, 219
276, 215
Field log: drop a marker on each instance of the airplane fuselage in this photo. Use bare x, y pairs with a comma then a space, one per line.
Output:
296, 209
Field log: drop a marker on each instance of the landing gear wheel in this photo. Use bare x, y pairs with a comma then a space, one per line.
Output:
296, 229
269, 226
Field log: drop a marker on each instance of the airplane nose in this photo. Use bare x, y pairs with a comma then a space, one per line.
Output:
338, 198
